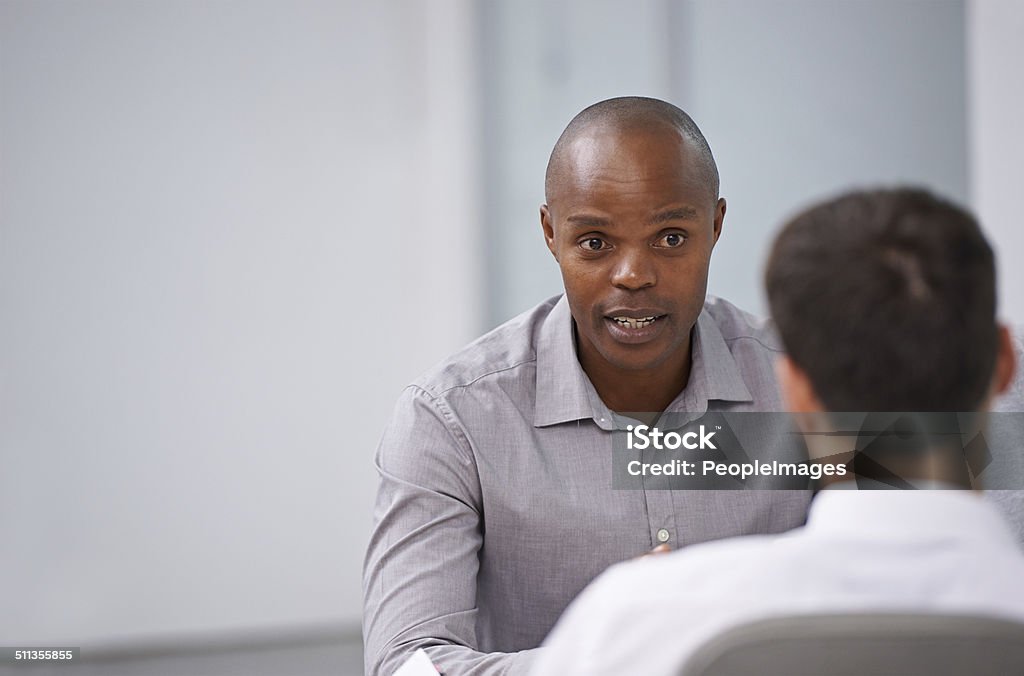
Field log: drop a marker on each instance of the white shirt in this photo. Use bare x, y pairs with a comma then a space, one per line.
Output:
861, 551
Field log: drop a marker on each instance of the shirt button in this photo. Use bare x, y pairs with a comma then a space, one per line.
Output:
663, 535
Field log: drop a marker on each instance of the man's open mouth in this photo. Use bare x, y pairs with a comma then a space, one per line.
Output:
635, 322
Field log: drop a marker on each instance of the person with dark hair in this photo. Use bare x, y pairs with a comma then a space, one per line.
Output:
496, 505
898, 275
885, 302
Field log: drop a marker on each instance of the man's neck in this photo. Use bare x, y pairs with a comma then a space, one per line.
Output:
934, 468
648, 391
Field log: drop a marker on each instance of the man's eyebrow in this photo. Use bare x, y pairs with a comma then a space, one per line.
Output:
677, 214
588, 221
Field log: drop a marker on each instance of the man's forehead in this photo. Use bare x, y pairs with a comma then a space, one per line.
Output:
608, 154
609, 146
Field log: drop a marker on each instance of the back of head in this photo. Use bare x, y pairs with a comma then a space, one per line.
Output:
886, 301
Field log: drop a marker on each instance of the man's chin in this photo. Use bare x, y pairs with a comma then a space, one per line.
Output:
635, 358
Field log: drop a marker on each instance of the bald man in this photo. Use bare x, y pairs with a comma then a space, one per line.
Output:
496, 504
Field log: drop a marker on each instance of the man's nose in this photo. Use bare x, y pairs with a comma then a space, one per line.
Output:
634, 270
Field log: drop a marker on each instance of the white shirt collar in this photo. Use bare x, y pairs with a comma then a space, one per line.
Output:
960, 514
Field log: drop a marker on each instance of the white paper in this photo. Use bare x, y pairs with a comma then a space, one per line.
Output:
417, 665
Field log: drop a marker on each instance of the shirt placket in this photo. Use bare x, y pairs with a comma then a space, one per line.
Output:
662, 510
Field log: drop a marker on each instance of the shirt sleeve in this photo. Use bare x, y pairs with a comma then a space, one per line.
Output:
420, 571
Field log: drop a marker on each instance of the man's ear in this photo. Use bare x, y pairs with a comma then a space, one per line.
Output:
797, 393
548, 226
719, 219
1006, 362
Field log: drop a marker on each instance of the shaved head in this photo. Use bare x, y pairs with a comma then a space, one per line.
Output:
630, 114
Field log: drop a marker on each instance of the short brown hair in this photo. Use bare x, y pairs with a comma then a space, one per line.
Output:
886, 300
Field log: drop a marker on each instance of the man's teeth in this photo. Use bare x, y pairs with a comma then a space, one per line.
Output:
631, 323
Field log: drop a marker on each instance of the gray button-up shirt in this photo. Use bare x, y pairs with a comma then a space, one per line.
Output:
496, 505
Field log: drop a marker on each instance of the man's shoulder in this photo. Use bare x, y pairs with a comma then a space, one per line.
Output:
740, 326
509, 349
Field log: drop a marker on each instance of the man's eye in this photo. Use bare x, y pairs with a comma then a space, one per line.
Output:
593, 244
672, 240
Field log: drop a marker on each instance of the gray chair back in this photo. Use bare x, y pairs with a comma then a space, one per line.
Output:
864, 644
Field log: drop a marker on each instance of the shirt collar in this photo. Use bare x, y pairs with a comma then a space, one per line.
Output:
565, 393
960, 513
714, 374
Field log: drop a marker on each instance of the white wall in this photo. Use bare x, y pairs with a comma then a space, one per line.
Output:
801, 99
230, 232
995, 56
798, 99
